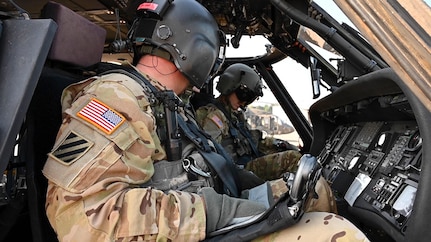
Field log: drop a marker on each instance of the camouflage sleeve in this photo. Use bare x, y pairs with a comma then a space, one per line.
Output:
266, 145
94, 191
213, 121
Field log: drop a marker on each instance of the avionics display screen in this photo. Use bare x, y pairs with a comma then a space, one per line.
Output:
404, 202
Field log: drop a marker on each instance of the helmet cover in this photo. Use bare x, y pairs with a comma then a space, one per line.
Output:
183, 28
241, 79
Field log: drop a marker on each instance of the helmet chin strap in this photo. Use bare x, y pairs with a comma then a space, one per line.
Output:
188, 93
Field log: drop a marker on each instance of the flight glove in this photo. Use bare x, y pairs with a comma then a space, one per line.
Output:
222, 210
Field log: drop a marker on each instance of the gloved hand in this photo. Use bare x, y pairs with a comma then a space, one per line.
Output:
222, 210
261, 194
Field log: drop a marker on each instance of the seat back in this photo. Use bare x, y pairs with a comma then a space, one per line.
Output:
78, 43
20, 66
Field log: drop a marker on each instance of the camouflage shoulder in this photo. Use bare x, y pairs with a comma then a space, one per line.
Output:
210, 111
70, 92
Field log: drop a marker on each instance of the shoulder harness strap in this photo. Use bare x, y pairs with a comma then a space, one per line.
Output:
234, 130
221, 163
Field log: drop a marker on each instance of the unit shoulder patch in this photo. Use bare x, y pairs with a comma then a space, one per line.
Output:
71, 148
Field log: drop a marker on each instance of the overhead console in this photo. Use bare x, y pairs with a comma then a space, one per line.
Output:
370, 147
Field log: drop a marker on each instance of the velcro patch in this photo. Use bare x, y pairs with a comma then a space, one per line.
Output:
71, 148
101, 116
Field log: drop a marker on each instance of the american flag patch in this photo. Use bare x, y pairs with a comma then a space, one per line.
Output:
217, 121
101, 116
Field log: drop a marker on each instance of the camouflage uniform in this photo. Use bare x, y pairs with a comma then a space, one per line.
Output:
214, 121
95, 174
268, 166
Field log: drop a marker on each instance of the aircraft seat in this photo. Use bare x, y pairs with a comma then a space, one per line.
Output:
78, 43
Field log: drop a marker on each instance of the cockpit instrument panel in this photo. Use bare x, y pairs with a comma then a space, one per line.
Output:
375, 166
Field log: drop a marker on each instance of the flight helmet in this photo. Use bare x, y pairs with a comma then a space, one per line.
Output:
241, 79
182, 31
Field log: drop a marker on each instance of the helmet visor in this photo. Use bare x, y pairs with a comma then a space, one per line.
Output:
246, 94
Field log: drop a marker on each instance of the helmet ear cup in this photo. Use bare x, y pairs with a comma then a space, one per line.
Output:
197, 58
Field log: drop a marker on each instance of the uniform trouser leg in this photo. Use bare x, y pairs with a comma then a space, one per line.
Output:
271, 167
326, 200
315, 227
324, 203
